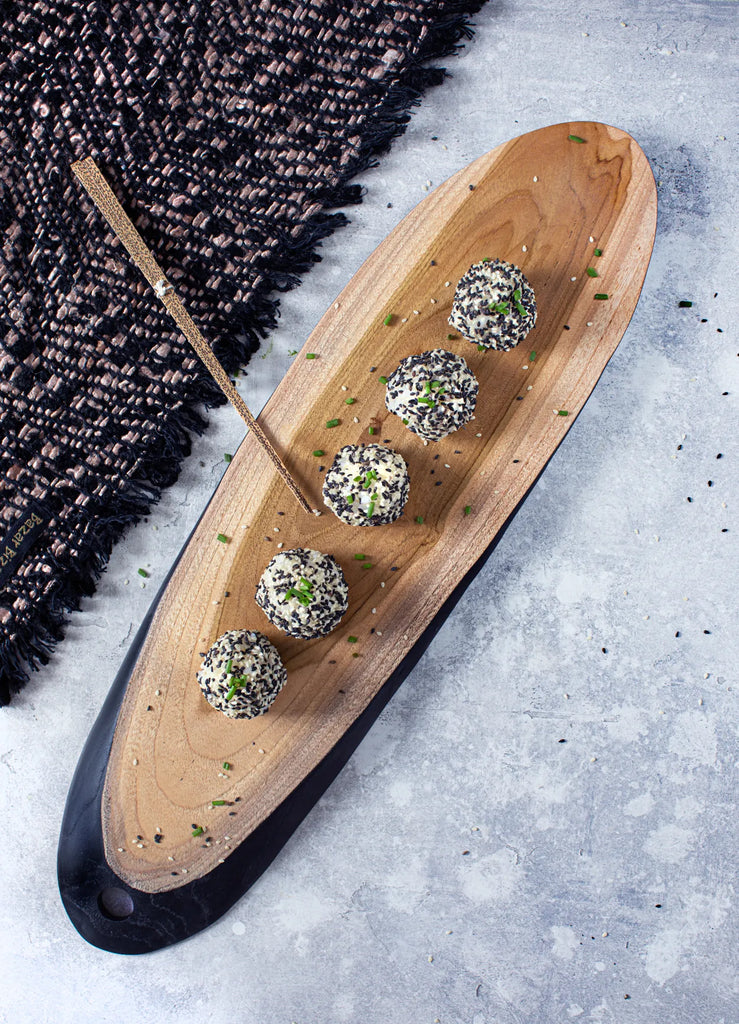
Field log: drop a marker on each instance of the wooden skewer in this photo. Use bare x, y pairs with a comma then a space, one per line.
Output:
102, 195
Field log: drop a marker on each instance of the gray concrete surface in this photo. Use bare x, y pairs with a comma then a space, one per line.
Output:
599, 882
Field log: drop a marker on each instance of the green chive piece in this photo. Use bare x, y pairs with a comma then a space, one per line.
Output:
419, 519
222, 538
361, 558
352, 639
231, 692
427, 388
451, 337
597, 252
406, 422
319, 452
532, 357
311, 355
350, 499
144, 573
226, 766
367, 565
292, 351
685, 304
198, 831
229, 666
350, 401
427, 401
383, 380
371, 431
480, 348
217, 803
592, 272
575, 138
227, 456
500, 307
519, 305
563, 412
332, 423
371, 509
388, 320
600, 295
355, 655
357, 479
467, 509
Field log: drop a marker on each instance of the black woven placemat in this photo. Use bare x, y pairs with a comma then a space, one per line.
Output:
229, 130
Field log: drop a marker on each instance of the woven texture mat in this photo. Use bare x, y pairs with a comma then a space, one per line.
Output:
227, 130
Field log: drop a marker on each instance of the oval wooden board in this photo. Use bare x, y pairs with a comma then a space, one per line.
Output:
538, 201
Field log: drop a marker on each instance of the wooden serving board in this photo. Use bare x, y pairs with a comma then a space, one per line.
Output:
543, 201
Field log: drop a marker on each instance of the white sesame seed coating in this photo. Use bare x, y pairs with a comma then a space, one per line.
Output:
434, 391
353, 499
328, 597
485, 285
253, 659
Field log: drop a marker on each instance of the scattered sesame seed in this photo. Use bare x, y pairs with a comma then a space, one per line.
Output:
135, 761
447, 284
573, 279
157, 693
416, 312
536, 178
433, 302
344, 387
524, 248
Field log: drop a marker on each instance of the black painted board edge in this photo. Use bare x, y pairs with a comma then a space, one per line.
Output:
162, 919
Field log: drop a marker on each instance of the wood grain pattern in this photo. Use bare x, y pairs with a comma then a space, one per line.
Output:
165, 766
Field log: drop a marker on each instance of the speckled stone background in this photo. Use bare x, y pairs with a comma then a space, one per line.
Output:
469, 867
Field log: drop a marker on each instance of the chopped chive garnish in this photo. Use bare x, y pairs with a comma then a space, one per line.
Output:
486, 259
517, 300
427, 388
685, 303
597, 252
427, 401
144, 573
231, 692
222, 538
480, 348
371, 430
361, 558
229, 666
311, 355
419, 519
227, 456
292, 351
591, 272
500, 307
226, 766
350, 499
217, 803
367, 565
406, 422
198, 831
600, 295
350, 401
383, 380
451, 337
305, 584
351, 639
388, 320
332, 423
467, 509
371, 509
532, 357
563, 412
575, 138
355, 655
358, 479
319, 452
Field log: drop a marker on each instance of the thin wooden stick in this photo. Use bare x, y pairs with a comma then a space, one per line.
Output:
102, 195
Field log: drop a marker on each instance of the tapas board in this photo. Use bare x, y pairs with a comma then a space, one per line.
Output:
175, 809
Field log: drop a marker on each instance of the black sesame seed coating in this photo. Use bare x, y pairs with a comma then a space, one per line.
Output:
252, 656
391, 485
329, 597
432, 414
487, 283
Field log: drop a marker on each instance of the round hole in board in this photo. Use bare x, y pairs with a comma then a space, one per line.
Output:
115, 903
